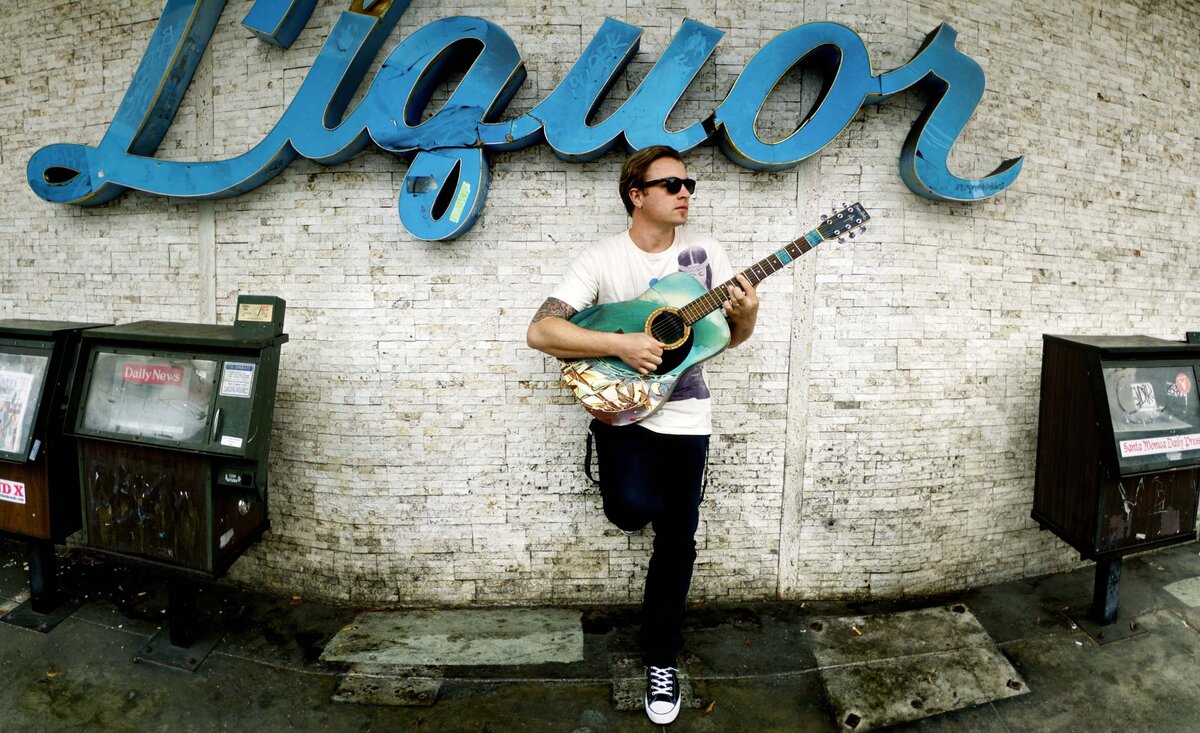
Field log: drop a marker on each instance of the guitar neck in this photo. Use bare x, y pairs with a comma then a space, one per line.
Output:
756, 273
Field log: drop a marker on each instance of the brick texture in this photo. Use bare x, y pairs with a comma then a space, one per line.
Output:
875, 438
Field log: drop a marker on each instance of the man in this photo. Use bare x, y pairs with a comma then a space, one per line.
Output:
638, 484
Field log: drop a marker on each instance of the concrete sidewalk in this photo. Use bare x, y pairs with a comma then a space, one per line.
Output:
1013, 654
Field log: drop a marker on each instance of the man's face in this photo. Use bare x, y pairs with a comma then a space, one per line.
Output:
654, 203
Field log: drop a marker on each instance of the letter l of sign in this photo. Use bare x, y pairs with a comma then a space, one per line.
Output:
71, 173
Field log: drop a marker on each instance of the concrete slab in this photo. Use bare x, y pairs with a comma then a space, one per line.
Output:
887, 669
8, 605
1186, 590
385, 684
459, 637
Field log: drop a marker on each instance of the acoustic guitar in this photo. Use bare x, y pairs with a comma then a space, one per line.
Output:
680, 314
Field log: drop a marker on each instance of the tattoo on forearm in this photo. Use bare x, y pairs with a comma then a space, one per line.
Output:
554, 308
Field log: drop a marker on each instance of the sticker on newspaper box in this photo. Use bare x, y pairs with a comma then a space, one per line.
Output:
1158, 446
255, 312
12, 491
156, 374
237, 380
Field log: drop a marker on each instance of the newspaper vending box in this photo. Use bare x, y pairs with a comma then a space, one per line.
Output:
39, 476
174, 424
1118, 462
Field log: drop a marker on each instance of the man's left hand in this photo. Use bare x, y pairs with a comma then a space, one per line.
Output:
741, 309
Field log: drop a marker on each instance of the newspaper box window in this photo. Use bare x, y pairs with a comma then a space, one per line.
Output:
174, 427
21, 379
146, 397
39, 474
1154, 413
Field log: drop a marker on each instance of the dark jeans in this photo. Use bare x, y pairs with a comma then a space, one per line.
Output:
652, 478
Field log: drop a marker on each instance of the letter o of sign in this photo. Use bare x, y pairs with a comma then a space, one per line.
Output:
840, 101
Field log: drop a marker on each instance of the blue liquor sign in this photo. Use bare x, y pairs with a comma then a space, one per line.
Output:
446, 185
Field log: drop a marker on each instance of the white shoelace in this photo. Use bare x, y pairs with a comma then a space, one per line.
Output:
662, 682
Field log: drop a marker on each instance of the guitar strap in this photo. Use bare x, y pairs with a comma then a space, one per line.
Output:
587, 459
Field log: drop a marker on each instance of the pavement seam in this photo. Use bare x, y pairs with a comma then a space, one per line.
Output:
922, 655
282, 667
515, 680
1182, 616
609, 680
120, 629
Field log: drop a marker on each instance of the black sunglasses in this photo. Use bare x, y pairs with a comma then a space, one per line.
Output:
672, 184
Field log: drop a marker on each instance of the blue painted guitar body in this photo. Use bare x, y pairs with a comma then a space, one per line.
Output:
614, 392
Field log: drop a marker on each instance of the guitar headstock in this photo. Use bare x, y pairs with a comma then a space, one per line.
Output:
849, 222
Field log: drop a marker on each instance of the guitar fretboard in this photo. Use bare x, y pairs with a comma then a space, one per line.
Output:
756, 273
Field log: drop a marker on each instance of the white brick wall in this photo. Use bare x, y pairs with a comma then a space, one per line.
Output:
876, 436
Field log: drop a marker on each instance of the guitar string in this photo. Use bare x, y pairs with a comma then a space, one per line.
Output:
720, 295
755, 274
668, 330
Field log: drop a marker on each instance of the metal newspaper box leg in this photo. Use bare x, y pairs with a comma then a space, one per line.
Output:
1106, 592
185, 642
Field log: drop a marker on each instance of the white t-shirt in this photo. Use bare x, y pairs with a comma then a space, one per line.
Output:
615, 269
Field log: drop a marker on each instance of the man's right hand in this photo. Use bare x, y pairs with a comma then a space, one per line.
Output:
639, 351
552, 332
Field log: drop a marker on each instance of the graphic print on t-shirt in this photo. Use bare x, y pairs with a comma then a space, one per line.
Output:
694, 261
691, 384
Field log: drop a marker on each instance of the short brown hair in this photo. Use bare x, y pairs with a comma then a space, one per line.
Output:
634, 170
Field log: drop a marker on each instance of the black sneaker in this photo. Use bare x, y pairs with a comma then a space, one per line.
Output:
662, 694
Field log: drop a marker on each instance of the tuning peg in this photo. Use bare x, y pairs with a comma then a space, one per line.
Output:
862, 229
841, 240
824, 217
852, 235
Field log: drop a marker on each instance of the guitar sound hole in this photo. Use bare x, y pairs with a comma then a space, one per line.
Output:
668, 327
